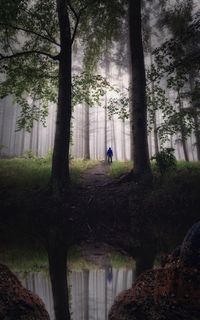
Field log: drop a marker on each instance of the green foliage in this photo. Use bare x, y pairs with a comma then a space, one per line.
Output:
100, 25
157, 100
29, 54
28, 47
89, 88
2, 146
165, 160
119, 168
29, 172
119, 106
120, 261
34, 258
177, 60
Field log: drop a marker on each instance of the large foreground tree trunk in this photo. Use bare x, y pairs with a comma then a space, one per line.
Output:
60, 162
139, 106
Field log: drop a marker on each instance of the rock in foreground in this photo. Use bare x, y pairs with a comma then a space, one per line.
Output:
168, 293
16, 302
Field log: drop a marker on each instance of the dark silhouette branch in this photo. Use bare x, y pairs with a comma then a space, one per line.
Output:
72, 9
18, 54
77, 17
50, 39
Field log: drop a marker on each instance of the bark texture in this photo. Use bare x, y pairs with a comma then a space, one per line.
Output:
182, 128
87, 133
60, 162
139, 106
195, 117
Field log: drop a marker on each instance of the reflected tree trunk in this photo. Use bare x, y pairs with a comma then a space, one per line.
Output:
146, 256
86, 294
143, 263
57, 256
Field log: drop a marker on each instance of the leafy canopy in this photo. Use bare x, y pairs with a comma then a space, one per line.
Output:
29, 53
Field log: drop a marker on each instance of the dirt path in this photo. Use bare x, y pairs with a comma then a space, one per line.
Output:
96, 176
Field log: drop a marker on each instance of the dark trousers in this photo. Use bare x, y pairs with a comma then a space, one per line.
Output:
109, 159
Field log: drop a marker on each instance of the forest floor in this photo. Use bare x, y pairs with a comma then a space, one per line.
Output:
103, 202
101, 210
97, 176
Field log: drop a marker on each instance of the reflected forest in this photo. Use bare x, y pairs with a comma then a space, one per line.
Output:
99, 159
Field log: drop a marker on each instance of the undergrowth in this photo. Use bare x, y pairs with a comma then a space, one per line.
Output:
118, 168
35, 259
31, 173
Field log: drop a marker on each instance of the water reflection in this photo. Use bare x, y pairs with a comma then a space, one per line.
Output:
92, 291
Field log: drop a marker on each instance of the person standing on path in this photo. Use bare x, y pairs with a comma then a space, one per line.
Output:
109, 155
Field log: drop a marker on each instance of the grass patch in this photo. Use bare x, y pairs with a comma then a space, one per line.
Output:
188, 165
31, 173
24, 173
34, 259
121, 261
118, 168
24, 258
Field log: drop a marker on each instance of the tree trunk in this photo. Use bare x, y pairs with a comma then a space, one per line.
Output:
183, 135
114, 147
107, 66
131, 122
123, 140
105, 129
60, 162
139, 109
155, 133
197, 134
196, 120
87, 132
143, 263
146, 255
57, 256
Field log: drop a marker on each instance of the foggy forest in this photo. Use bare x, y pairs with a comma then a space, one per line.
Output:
99, 159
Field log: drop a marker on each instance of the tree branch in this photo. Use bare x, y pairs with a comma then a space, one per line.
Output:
18, 54
77, 16
50, 39
72, 9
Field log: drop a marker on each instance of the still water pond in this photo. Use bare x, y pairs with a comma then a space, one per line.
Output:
92, 291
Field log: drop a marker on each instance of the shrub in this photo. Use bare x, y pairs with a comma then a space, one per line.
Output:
165, 160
